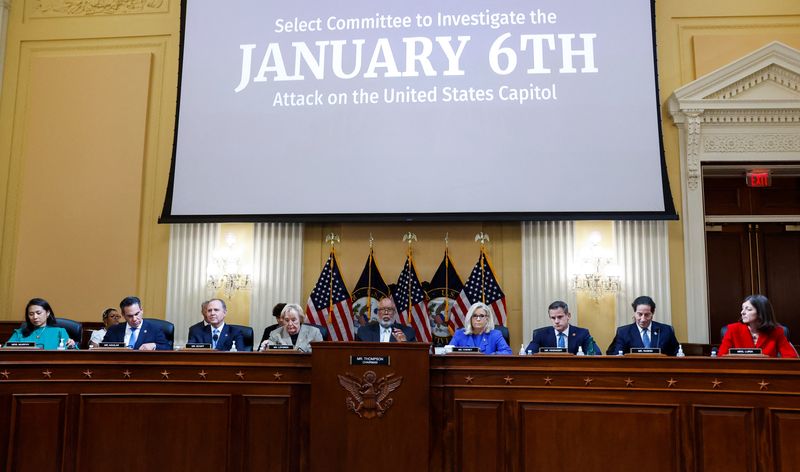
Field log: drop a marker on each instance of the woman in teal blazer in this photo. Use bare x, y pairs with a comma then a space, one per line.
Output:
40, 327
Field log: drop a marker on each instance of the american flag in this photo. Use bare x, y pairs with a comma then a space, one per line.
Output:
409, 292
329, 304
481, 286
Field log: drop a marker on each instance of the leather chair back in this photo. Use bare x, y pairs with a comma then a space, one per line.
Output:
247, 334
167, 327
74, 329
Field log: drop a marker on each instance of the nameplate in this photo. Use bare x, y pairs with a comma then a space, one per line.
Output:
115, 345
745, 351
198, 345
369, 360
280, 347
645, 350
23, 345
465, 349
560, 350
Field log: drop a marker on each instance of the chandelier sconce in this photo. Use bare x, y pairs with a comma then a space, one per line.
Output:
225, 271
596, 274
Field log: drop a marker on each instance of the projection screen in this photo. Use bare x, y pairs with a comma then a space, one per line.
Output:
435, 110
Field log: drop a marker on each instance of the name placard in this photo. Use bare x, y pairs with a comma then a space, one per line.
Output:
465, 349
280, 347
23, 345
370, 360
745, 351
114, 345
198, 345
559, 350
645, 350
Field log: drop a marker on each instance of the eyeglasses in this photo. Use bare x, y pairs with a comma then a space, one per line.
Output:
386, 310
480, 317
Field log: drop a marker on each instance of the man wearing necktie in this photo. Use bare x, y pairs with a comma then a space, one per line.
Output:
644, 332
562, 333
137, 333
213, 330
386, 330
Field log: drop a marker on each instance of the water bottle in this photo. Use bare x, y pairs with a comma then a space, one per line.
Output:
680, 351
233, 347
713, 352
580, 351
522, 350
619, 353
61, 346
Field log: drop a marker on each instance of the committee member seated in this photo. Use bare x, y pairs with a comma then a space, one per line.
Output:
644, 332
387, 329
276, 312
292, 331
40, 327
213, 330
136, 332
478, 331
757, 328
563, 334
111, 317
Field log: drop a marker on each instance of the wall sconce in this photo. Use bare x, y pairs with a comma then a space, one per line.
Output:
596, 274
225, 272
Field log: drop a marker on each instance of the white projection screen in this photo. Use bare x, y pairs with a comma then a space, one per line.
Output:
422, 110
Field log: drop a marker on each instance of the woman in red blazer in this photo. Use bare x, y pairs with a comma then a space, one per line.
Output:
757, 329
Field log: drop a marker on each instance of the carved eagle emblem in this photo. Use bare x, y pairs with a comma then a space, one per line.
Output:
369, 396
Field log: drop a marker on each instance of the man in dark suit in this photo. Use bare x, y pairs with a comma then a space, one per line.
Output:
136, 332
563, 334
214, 330
644, 332
386, 330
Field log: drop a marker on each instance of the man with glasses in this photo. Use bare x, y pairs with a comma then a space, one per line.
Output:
562, 334
136, 332
644, 332
386, 330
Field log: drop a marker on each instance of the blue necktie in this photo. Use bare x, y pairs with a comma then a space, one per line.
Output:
132, 340
214, 338
561, 340
645, 338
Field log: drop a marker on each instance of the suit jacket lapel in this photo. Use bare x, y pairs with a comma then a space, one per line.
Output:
140, 335
655, 335
636, 338
550, 338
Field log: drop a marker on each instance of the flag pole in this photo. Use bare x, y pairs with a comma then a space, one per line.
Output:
409, 238
369, 280
483, 238
332, 239
446, 278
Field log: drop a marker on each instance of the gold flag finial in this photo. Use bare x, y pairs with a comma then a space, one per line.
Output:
332, 239
409, 238
371, 241
446, 240
482, 238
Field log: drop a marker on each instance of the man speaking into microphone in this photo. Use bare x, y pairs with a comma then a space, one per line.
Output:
644, 332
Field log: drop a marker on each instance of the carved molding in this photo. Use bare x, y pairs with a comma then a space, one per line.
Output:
751, 116
773, 73
54, 8
369, 395
751, 143
694, 118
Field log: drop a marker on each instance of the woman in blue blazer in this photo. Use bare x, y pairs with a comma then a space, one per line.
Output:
479, 332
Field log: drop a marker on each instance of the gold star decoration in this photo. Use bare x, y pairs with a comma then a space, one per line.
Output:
165, 374
277, 375
468, 379
548, 380
5, 374
715, 383
47, 373
203, 374
87, 373
126, 374
671, 382
763, 385
508, 379
629, 382
240, 374
587, 381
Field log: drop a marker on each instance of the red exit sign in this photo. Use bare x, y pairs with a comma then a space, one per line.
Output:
758, 178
